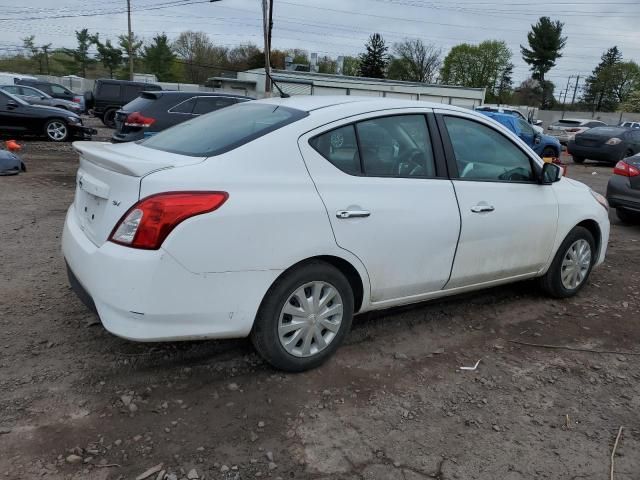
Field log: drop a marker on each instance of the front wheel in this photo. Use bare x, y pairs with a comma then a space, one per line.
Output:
626, 216
304, 317
57, 130
109, 118
571, 266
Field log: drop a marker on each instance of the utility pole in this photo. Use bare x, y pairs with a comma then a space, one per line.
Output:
575, 90
267, 16
130, 46
45, 51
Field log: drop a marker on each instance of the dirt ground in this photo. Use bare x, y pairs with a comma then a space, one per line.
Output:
79, 403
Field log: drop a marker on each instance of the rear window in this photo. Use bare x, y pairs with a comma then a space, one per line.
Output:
224, 129
572, 123
140, 104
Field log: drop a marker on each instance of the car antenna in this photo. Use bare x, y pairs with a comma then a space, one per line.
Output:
282, 94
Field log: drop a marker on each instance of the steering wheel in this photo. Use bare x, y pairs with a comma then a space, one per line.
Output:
516, 174
413, 164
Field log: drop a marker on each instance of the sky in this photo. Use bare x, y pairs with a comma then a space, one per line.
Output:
341, 27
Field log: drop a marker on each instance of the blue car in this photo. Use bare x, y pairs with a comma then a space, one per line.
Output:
543, 145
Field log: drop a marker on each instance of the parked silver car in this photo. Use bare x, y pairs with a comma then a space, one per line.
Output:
33, 96
566, 129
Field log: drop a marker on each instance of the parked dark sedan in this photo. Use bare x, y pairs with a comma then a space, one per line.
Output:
623, 189
153, 112
34, 96
18, 117
607, 144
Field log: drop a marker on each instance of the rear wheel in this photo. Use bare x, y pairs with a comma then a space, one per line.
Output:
578, 159
304, 317
572, 264
57, 130
109, 118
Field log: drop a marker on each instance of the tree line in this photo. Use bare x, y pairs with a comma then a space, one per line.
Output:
193, 58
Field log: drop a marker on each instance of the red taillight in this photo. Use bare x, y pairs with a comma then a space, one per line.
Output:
136, 119
77, 99
626, 170
148, 223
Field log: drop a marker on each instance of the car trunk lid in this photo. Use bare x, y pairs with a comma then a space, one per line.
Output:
634, 161
142, 104
108, 182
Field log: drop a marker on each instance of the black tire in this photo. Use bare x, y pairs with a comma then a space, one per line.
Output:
109, 118
626, 216
550, 152
551, 282
264, 335
57, 130
578, 159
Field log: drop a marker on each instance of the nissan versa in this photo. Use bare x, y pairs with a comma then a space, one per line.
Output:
280, 219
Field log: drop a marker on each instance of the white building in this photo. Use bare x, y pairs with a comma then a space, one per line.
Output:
252, 83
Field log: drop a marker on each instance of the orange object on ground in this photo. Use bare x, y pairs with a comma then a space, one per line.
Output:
13, 146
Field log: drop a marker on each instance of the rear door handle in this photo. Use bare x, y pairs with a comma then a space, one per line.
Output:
352, 214
482, 208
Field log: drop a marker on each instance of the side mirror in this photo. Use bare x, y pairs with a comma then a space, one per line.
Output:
11, 104
537, 139
538, 123
43, 97
550, 173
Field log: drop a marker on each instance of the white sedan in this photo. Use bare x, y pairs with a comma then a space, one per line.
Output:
282, 218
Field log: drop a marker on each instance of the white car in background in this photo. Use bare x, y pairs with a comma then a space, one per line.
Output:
566, 129
630, 124
282, 218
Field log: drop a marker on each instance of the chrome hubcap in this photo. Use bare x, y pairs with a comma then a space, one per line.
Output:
310, 319
575, 264
56, 130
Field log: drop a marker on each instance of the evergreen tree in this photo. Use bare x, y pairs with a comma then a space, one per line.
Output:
545, 46
80, 55
159, 58
611, 81
373, 63
110, 56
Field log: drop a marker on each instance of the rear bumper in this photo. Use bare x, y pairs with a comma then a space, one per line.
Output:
604, 153
620, 194
563, 138
146, 295
127, 137
80, 131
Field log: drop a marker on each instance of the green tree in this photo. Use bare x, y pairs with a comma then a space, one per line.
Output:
373, 62
486, 65
632, 103
327, 65
415, 61
136, 49
611, 81
110, 56
201, 59
545, 46
247, 56
159, 58
350, 66
80, 58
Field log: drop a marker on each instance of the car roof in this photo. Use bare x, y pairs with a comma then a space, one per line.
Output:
309, 103
607, 130
583, 120
181, 93
504, 118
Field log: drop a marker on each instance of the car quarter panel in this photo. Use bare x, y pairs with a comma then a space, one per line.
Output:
272, 219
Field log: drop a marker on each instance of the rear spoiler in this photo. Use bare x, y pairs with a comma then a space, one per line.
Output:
153, 94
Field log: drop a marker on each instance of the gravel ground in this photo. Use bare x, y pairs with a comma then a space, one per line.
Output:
79, 403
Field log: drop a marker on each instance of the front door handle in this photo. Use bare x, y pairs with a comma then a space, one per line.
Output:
352, 214
482, 208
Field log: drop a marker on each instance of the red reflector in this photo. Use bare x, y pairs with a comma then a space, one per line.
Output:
626, 170
148, 223
136, 119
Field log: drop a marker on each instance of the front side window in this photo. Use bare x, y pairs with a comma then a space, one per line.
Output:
396, 146
58, 90
223, 130
482, 153
110, 91
209, 104
525, 128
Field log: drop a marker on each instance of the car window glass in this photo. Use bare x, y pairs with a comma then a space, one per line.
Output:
109, 91
484, 154
58, 90
396, 146
44, 87
184, 107
340, 147
209, 104
129, 92
12, 89
525, 128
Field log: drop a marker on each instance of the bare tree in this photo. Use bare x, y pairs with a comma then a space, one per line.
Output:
417, 61
200, 57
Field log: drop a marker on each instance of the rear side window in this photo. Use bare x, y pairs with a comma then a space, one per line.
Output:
224, 130
140, 104
569, 123
209, 104
14, 90
185, 106
109, 91
395, 146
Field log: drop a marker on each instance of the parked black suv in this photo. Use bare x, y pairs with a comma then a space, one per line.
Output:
110, 95
153, 112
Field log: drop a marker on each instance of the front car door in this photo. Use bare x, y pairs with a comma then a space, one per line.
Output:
509, 221
12, 114
383, 182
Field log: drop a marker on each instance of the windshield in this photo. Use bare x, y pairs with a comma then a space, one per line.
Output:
223, 130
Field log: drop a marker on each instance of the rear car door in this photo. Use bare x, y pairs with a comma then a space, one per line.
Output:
509, 221
383, 182
12, 118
